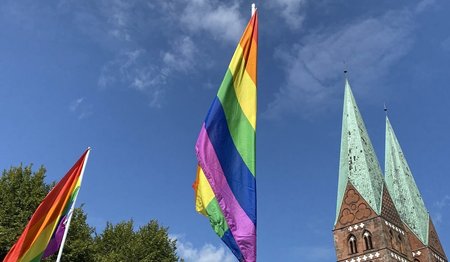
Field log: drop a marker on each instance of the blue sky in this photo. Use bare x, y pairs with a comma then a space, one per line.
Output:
134, 80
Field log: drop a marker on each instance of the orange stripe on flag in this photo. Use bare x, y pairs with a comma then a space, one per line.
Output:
249, 45
32, 240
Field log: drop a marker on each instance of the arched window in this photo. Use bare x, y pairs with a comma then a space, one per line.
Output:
393, 244
368, 240
400, 240
352, 244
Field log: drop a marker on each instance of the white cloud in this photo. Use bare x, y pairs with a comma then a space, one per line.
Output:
141, 61
207, 253
290, 11
136, 65
424, 4
138, 70
313, 69
107, 22
222, 21
75, 104
134, 69
440, 206
444, 202
118, 14
80, 108
181, 57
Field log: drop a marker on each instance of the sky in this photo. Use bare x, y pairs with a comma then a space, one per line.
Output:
134, 79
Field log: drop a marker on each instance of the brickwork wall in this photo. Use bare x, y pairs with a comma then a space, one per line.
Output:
389, 238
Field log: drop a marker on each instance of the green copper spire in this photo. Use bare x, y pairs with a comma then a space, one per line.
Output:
358, 162
403, 188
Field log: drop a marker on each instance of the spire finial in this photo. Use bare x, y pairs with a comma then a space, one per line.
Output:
385, 109
345, 68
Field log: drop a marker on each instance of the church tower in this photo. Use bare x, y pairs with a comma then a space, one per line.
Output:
367, 226
423, 238
374, 222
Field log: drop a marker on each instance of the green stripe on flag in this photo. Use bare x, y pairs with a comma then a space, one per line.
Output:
240, 128
216, 218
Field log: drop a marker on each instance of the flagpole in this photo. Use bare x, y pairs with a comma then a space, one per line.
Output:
58, 259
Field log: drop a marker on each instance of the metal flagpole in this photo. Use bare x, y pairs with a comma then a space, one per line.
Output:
58, 259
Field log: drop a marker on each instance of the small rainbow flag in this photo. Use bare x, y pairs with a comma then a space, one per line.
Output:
44, 233
225, 188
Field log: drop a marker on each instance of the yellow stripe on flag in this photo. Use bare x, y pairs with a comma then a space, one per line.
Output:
244, 86
204, 192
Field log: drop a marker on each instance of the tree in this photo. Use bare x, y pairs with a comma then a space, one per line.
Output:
115, 243
153, 243
79, 246
121, 243
21, 192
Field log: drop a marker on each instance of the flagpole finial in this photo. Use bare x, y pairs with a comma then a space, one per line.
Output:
253, 8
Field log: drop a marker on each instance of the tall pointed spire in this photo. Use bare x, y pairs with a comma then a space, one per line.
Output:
403, 188
358, 162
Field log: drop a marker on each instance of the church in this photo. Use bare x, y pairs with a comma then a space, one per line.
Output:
379, 218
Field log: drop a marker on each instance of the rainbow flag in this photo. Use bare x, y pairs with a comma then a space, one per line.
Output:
43, 235
225, 188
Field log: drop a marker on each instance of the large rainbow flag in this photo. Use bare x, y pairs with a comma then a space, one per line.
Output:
44, 233
225, 188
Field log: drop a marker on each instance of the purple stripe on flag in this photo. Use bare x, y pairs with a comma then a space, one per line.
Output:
242, 228
55, 241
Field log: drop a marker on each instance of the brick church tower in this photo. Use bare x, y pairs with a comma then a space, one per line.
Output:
377, 218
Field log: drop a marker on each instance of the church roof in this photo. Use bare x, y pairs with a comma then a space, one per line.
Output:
358, 162
403, 188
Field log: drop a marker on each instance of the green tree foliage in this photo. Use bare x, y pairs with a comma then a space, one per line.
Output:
149, 243
153, 243
115, 243
21, 192
79, 246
